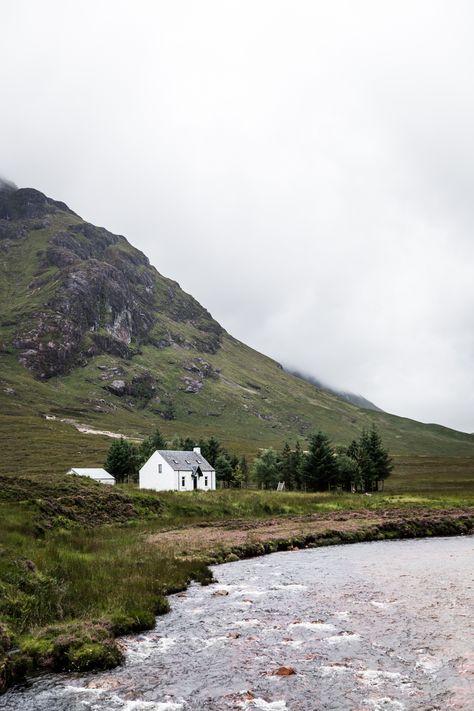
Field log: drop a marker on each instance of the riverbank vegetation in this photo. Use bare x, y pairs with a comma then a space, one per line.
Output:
81, 563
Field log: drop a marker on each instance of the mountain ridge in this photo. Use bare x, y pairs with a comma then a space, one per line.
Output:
91, 332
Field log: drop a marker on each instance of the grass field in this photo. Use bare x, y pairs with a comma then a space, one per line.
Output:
81, 563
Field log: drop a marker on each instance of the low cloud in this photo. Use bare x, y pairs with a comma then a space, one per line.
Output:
7, 184
304, 169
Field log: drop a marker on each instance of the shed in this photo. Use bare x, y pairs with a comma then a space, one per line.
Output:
99, 475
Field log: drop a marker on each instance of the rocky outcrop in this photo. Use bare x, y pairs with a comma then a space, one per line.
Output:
117, 387
191, 385
27, 203
101, 294
199, 369
141, 387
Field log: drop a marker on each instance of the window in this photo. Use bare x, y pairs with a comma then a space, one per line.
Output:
183, 481
159, 468
205, 481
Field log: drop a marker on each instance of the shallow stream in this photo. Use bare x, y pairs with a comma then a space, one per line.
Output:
382, 626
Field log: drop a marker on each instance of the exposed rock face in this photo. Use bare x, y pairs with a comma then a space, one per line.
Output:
100, 294
27, 202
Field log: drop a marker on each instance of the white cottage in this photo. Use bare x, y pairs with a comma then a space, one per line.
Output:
169, 470
99, 475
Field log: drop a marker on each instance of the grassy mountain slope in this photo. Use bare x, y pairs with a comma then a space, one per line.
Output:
92, 333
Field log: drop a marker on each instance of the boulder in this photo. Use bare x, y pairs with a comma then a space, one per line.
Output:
117, 387
284, 671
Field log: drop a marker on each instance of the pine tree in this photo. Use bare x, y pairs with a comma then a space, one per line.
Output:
187, 444
210, 449
372, 459
366, 462
224, 471
151, 444
320, 467
122, 461
382, 464
244, 468
358, 452
266, 469
297, 460
287, 472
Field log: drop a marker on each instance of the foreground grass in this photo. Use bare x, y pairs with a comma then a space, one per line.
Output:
81, 563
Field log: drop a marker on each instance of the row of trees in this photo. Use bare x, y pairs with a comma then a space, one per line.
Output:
361, 466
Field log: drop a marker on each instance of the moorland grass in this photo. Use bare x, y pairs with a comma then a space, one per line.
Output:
77, 566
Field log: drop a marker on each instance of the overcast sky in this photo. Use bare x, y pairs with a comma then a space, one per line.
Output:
305, 169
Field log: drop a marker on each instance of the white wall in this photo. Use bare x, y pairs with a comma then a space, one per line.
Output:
150, 477
168, 480
189, 481
211, 481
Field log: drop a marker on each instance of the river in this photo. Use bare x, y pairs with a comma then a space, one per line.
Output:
384, 626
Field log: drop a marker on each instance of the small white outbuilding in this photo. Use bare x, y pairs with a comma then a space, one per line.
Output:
99, 475
171, 470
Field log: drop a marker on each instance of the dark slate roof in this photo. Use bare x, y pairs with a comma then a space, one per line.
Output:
185, 461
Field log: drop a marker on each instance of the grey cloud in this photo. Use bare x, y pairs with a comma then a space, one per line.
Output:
305, 170
7, 184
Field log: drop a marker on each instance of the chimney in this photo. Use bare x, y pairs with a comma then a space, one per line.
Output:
197, 450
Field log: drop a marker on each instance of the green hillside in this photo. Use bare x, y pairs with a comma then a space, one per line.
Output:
92, 334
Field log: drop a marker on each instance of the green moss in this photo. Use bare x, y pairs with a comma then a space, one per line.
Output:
94, 655
231, 558
136, 620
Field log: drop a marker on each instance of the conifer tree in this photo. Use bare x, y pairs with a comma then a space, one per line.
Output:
287, 473
224, 471
297, 461
187, 444
382, 464
151, 444
266, 469
210, 449
244, 468
372, 458
122, 461
320, 467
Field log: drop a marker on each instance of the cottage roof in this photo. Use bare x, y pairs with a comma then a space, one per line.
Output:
92, 473
185, 461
